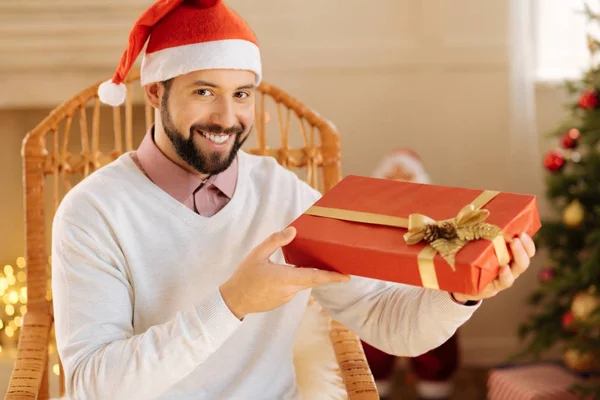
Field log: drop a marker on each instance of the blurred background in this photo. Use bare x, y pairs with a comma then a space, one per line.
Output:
471, 86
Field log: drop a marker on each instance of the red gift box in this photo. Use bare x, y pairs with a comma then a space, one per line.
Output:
536, 381
440, 237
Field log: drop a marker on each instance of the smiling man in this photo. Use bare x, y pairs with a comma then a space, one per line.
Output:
168, 276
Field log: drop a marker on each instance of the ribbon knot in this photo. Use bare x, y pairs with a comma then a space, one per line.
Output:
448, 236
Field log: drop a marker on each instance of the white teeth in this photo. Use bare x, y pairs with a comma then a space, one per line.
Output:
216, 138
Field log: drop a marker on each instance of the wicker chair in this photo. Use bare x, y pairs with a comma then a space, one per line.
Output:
55, 157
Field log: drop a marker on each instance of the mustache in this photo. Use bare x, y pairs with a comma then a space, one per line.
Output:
218, 129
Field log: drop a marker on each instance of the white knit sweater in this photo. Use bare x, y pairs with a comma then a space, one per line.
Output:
137, 307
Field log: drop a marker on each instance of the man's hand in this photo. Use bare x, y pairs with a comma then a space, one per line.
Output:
259, 285
522, 249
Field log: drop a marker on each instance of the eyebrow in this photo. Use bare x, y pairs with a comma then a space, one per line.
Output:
212, 85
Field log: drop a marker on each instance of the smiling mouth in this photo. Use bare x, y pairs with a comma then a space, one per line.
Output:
218, 139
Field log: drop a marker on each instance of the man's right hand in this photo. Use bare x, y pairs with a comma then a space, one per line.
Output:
259, 285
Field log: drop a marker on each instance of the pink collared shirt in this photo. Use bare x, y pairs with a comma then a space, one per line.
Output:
206, 197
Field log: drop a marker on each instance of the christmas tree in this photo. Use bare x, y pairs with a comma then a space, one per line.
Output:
566, 303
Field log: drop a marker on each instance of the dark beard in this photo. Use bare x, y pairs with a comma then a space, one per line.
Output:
206, 164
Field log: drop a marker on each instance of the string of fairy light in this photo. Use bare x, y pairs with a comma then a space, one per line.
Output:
13, 293
13, 297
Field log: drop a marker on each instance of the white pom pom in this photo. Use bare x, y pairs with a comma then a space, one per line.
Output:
111, 94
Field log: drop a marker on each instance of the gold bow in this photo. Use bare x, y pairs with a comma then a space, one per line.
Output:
448, 236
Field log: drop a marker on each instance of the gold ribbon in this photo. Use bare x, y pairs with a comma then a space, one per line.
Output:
445, 237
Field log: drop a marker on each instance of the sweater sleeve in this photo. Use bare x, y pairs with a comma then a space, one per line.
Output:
93, 309
399, 319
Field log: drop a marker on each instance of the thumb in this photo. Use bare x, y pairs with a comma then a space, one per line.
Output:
274, 242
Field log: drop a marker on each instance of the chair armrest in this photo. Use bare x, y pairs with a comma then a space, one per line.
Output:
32, 357
351, 358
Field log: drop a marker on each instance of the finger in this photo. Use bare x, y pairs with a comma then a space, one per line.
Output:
521, 259
273, 242
505, 278
308, 277
528, 244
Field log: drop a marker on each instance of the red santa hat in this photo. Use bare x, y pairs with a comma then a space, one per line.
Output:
408, 160
184, 36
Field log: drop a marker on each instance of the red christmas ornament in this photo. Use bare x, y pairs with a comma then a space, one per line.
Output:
554, 161
567, 321
588, 100
570, 139
546, 274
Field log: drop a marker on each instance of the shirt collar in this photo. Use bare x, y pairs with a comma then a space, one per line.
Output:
175, 180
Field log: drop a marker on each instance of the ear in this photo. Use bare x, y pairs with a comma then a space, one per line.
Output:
154, 92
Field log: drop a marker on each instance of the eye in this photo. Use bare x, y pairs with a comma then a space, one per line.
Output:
242, 95
203, 92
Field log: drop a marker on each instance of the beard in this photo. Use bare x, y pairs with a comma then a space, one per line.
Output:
206, 163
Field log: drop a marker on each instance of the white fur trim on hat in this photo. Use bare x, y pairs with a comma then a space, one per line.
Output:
112, 94
219, 54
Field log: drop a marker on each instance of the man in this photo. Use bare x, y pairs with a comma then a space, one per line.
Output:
168, 277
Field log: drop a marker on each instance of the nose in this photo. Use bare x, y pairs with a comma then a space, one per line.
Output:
224, 113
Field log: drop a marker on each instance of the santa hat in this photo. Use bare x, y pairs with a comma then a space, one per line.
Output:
184, 36
408, 159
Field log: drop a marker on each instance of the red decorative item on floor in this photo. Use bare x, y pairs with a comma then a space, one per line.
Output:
532, 382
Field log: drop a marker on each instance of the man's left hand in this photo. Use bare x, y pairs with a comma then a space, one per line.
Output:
522, 249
